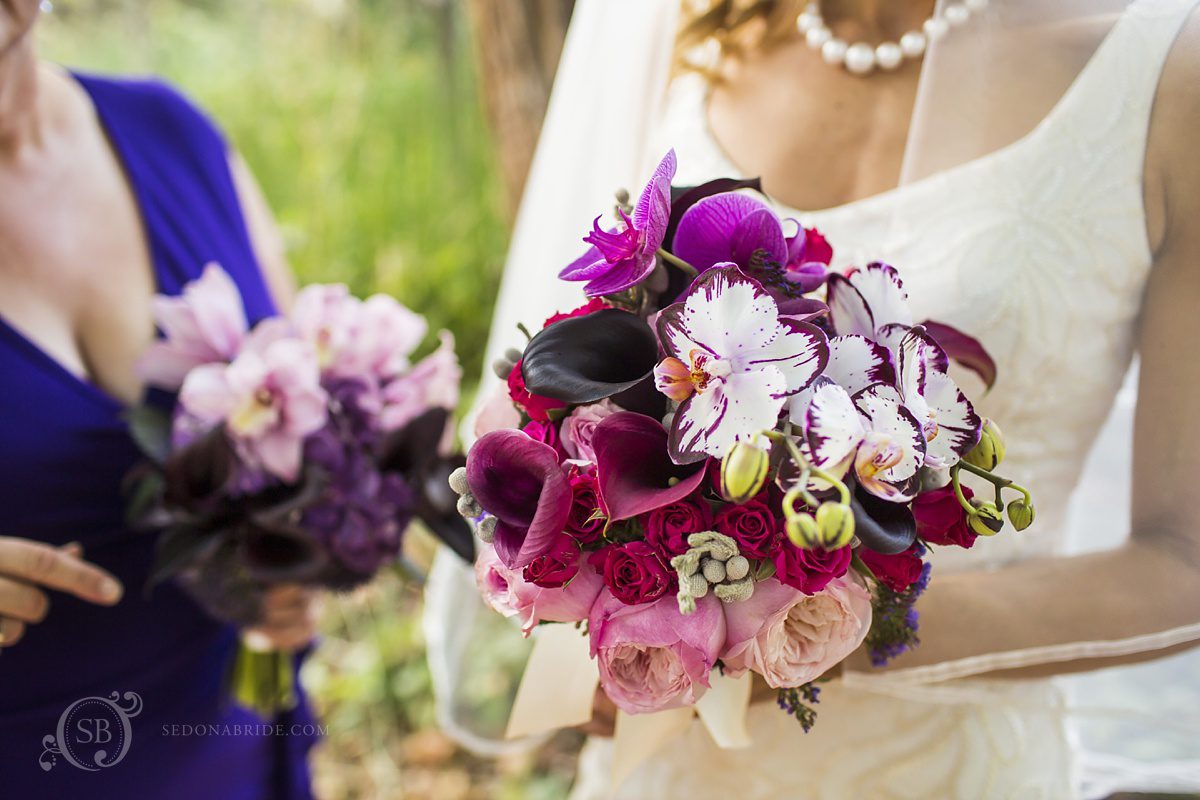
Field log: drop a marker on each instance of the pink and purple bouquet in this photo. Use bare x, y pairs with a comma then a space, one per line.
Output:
296, 451
731, 457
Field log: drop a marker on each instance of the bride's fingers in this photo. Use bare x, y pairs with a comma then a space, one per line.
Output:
284, 607
11, 631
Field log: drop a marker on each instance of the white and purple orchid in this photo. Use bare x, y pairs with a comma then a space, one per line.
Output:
626, 255
732, 362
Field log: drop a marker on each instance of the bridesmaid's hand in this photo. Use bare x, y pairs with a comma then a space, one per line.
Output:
29, 568
290, 615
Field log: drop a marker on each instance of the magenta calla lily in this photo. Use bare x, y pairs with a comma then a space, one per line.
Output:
728, 228
732, 362
963, 348
625, 256
634, 472
519, 481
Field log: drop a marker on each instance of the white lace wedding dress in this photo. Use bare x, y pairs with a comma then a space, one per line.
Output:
1040, 250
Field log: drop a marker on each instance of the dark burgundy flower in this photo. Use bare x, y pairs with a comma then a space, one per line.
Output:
555, 568
668, 527
941, 519
536, 406
810, 570
634, 572
897, 572
519, 481
583, 523
755, 528
966, 350
634, 468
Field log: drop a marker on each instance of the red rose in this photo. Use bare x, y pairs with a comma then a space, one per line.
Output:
546, 432
535, 406
591, 307
556, 567
941, 519
811, 570
667, 528
897, 572
753, 527
633, 572
581, 522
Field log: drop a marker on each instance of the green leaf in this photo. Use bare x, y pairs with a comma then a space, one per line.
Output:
179, 548
150, 428
144, 496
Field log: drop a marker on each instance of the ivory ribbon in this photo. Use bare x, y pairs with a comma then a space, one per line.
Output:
559, 685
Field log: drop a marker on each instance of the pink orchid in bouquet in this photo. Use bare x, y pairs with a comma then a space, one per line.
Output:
737, 455
297, 450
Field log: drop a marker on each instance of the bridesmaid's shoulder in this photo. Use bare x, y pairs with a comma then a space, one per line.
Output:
152, 99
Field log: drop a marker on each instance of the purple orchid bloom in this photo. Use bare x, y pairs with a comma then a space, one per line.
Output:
733, 361
626, 255
520, 482
634, 470
729, 228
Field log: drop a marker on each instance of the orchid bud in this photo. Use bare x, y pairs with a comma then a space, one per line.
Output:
802, 530
835, 525
987, 520
1020, 514
988, 454
744, 471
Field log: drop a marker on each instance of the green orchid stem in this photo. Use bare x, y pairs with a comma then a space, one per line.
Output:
958, 492
807, 467
997, 481
675, 261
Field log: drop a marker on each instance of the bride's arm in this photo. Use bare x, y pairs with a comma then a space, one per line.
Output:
1152, 584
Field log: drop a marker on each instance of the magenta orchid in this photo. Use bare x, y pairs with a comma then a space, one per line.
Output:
729, 228
626, 255
269, 401
206, 324
732, 362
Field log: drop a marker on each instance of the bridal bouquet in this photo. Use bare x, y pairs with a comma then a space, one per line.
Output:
730, 458
296, 452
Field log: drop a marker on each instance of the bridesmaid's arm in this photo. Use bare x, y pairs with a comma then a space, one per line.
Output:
1153, 583
264, 233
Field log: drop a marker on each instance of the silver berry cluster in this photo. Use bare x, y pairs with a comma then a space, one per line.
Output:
712, 562
469, 508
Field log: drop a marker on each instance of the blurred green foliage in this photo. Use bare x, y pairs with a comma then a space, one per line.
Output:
361, 121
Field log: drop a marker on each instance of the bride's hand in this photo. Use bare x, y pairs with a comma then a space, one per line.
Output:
290, 615
29, 568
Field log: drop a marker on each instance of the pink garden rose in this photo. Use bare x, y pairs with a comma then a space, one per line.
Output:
652, 657
496, 413
791, 638
509, 593
577, 429
268, 401
204, 325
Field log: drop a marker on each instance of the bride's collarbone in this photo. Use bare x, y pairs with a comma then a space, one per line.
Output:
819, 137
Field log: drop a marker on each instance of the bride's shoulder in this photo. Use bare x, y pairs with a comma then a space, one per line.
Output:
1172, 169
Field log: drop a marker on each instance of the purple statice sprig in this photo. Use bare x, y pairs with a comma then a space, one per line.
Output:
894, 619
799, 702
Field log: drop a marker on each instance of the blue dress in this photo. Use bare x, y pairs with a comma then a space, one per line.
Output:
64, 451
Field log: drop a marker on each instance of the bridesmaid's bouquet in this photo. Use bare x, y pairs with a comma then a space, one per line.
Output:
296, 452
730, 458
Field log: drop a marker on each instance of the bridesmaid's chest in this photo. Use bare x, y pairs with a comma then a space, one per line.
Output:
76, 276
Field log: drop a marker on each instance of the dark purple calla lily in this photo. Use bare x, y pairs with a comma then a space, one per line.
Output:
964, 349
635, 472
586, 359
520, 482
729, 228
881, 525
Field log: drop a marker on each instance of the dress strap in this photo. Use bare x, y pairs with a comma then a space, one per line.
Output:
177, 162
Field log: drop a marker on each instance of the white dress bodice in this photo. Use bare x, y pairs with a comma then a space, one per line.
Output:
1040, 251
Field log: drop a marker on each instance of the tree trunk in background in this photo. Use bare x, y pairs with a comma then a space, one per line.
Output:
518, 43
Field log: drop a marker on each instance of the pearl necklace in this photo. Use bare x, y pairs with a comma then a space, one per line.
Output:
861, 58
